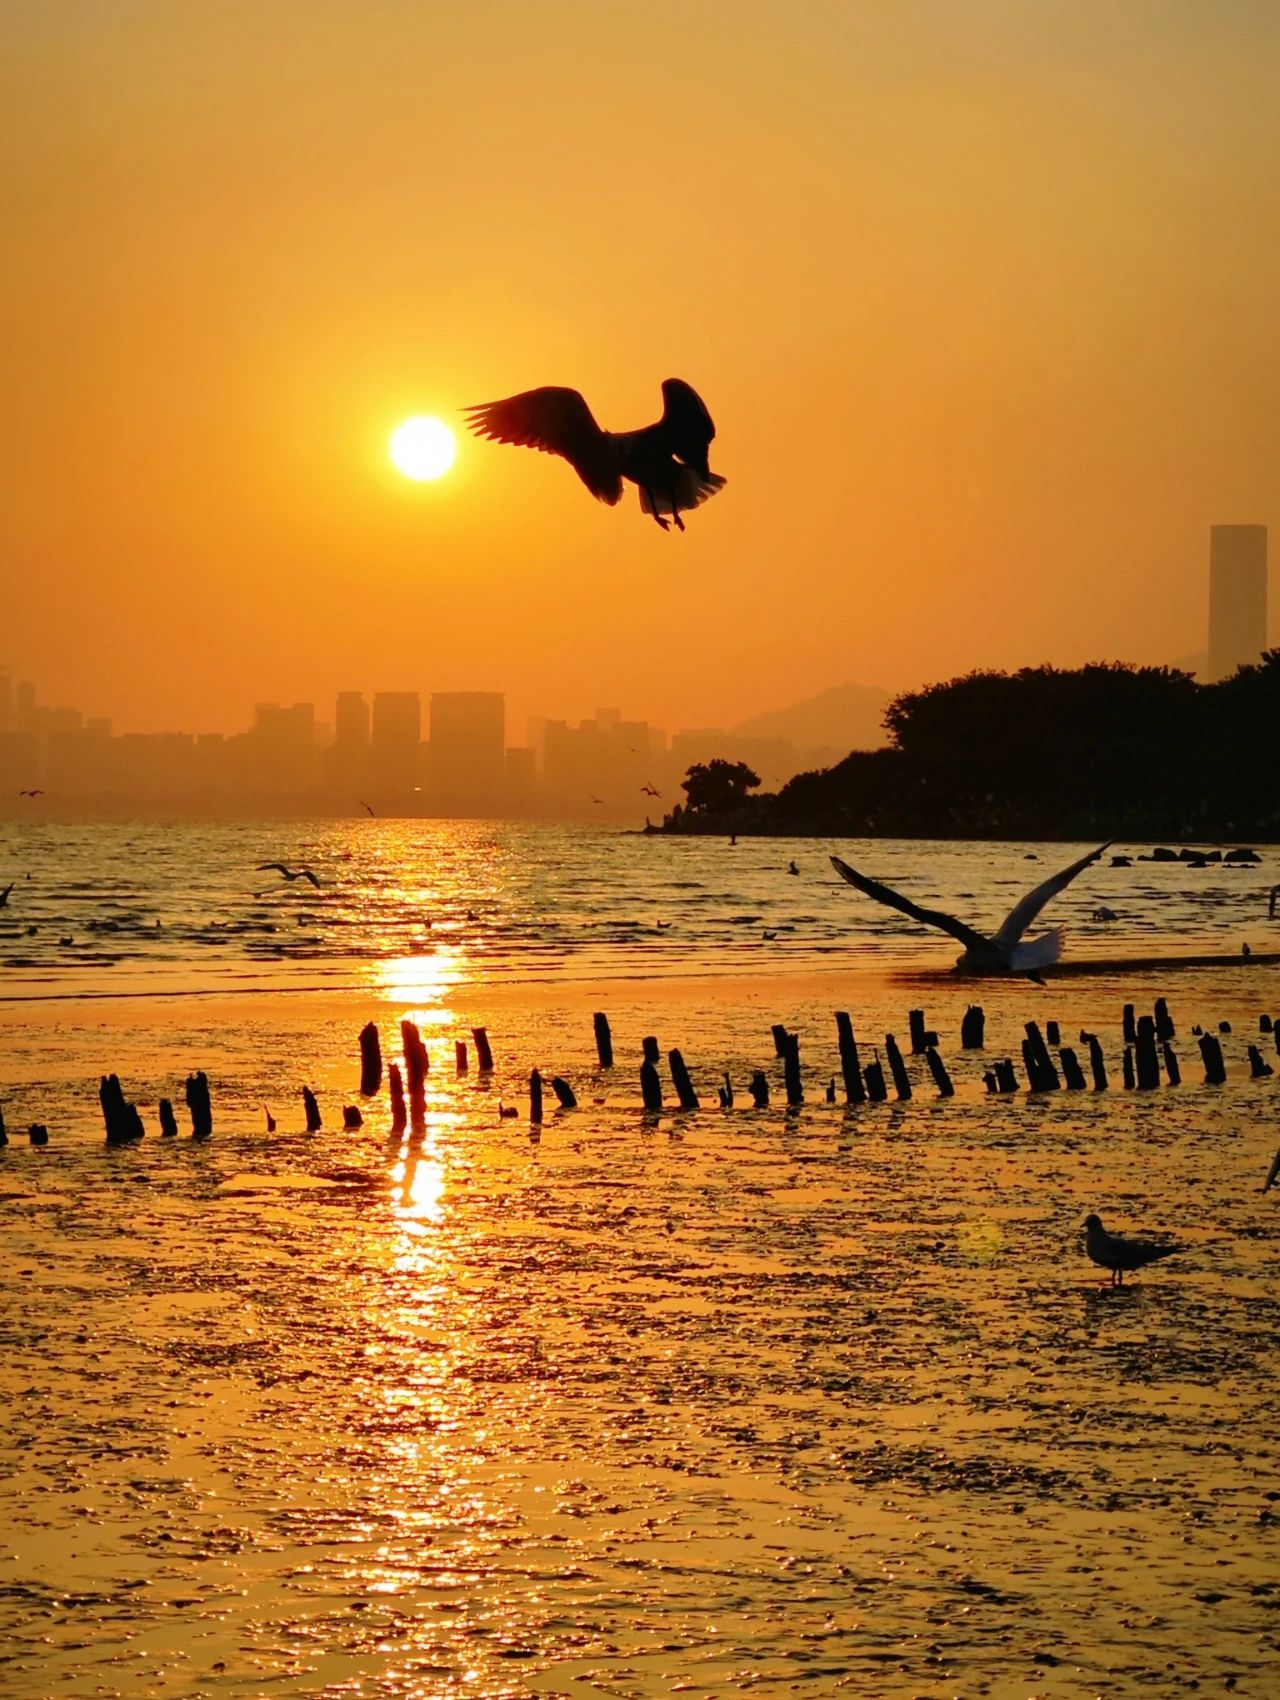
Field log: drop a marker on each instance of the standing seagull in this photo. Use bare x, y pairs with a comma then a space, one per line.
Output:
1003, 952
1109, 1251
290, 874
668, 460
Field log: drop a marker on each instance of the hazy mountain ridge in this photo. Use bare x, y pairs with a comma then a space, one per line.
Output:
844, 717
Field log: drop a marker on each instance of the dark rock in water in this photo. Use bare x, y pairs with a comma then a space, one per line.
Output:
1224, 1027
38, 1134
1162, 854
351, 1117
1242, 855
1122, 861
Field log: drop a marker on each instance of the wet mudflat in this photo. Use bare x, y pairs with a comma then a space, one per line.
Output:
752, 1402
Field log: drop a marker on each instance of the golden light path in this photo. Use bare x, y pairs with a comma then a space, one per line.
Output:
423, 448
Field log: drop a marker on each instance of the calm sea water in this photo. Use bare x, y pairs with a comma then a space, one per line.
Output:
781, 1403
184, 907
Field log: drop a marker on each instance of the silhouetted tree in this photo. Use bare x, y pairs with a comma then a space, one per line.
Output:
718, 787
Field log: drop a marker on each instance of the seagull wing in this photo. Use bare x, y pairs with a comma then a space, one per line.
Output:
895, 900
277, 867
559, 422
308, 875
686, 424
1025, 911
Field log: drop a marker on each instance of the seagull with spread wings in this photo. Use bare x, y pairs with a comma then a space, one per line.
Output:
1002, 953
290, 874
667, 460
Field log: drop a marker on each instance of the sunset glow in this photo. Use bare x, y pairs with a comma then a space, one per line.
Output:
423, 449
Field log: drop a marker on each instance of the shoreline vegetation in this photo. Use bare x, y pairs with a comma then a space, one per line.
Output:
1107, 750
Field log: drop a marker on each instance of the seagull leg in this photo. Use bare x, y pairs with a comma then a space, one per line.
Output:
675, 514
653, 509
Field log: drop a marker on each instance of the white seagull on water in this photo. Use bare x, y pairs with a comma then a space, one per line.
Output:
1002, 953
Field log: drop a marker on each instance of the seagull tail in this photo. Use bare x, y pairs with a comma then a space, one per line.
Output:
1037, 952
689, 489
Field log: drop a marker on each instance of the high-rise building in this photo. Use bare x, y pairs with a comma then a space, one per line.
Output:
395, 738
351, 721
468, 749
1237, 597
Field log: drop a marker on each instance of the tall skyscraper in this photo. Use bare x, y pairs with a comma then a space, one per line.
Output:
468, 749
1237, 597
351, 721
395, 739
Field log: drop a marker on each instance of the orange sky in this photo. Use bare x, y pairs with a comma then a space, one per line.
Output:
983, 296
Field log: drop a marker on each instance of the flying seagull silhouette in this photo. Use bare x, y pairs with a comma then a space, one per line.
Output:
651, 791
667, 460
290, 874
1111, 1252
36, 793
1003, 952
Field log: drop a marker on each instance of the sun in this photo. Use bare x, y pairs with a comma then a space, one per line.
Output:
422, 448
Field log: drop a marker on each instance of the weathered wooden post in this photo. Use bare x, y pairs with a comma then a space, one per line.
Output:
1146, 1061
1215, 1072
1006, 1075
1052, 1033
921, 1038
1171, 1065
937, 1069
1127, 1023
399, 1120
168, 1121
1265, 1024
564, 1093
1041, 1073
726, 1093
38, 1133
123, 1123
831, 1090
4, 1136
1127, 1066
351, 1117
604, 1039
484, 1056
873, 1078
972, 1028
779, 1039
680, 1079
897, 1068
535, 1097
1164, 1021
791, 1070
1072, 1073
759, 1089
461, 1062
650, 1084
649, 1049
314, 1124
370, 1060
1258, 1068
854, 1089
1097, 1062
989, 1080
197, 1097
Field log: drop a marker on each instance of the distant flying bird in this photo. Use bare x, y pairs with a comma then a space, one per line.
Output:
290, 874
667, 461
1120, 1256
1003, 952
366, 808
595, 799
651, 791
36, 793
